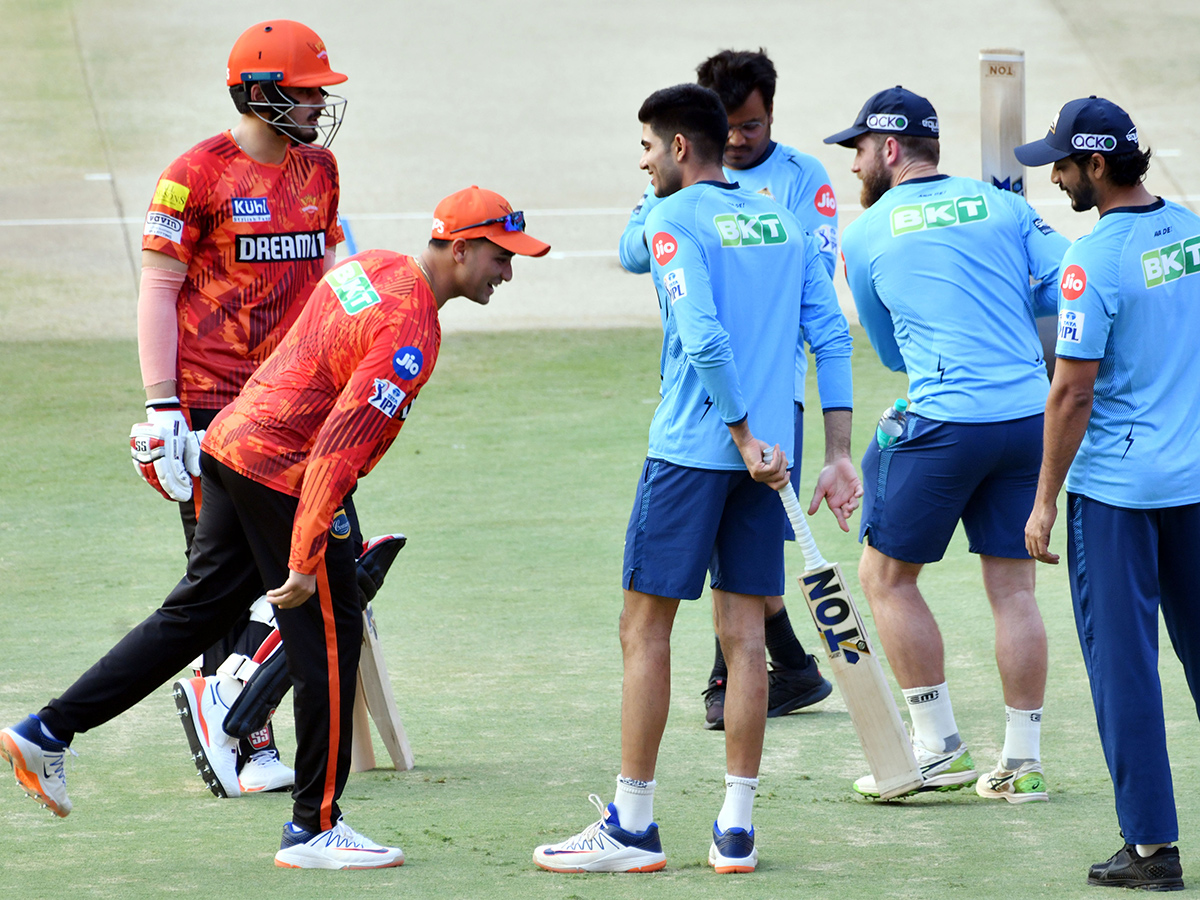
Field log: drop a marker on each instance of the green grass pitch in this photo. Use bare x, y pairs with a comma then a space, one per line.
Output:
513, 480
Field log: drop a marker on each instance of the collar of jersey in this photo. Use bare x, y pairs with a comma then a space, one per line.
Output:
761, 160
924, 180
1158, 204
725, 185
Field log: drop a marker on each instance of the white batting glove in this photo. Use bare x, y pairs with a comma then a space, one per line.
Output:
165, 451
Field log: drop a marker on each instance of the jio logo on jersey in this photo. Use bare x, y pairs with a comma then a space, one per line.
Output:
825, 202
407, 362
1074, 283
663, 247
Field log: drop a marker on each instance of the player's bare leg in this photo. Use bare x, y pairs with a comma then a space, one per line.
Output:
645, 631
1021, 657
913, 643
739, 620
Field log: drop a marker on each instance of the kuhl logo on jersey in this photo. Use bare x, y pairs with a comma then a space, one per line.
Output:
740, 230
825, 201
1073, 283
251, 209
386, 397
1070, 325
352, 287
280, 247
938, 214
1171, 262
407, 362
663, 247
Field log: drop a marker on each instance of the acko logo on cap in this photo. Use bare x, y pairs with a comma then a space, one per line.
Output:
825, 202
663, 247
887, 122
1093, 142
1074, 283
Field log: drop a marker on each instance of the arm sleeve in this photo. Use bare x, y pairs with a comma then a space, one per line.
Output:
824, 326
634, 254
158, 324
1044, 248
1085, 321
355, 432
687, 292
874, 317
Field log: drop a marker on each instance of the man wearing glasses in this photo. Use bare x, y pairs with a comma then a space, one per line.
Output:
745, 82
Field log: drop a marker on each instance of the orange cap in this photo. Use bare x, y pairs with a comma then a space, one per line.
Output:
475, 213
282, 51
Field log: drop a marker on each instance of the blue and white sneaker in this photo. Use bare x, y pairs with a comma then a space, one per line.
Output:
733, 851
604, 846
39, 763
340, 847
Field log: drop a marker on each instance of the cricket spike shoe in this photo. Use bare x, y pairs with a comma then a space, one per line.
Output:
39, 763
1161, 871
264, 772
793, 689
203, 704
950, 770
604, 846
733, 851
340, 847
1019, 785
714, 704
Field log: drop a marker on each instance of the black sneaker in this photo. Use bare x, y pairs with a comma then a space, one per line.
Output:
793, 689
714, 704
1125, 868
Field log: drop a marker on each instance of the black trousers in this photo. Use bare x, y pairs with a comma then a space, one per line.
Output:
240, 548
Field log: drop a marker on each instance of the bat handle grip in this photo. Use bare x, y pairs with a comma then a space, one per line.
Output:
791, 504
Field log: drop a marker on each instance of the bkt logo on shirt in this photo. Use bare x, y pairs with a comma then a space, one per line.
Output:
1073, 283
663, 247
386, 397
1070, 325
352, 287
740, 230
251, 209
938, 214
279, 247
886, 122
408, 362
1093, 142
1171, 262
825, 202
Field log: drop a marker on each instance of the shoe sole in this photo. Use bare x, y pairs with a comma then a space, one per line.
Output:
815, 695
280, 864
931, 786
183, 706
1138, 885
724, 865
1010, 796
26, 778
576, 870
266, 789
718, 725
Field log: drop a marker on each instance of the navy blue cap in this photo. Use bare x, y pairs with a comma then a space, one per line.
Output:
1089, 125
894, 111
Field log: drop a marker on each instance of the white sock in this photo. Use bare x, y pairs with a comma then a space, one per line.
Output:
1144, 850
635, 803
739, 803
1022, 736
932, 717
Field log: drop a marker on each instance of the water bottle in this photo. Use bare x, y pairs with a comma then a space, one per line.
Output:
891, 424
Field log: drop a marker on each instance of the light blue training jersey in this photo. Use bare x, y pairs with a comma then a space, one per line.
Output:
1130, 297
737, 277
795, 180
940, 270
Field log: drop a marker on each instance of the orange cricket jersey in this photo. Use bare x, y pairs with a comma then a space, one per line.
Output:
254, 238
323, 409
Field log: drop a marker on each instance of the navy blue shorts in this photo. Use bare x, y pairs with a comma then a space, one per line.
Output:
688, 521
917, 490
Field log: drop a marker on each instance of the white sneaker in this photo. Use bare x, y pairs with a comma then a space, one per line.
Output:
341, 847
264, 772
38, 763
203, 704
604, 846
949, 770
1019, 785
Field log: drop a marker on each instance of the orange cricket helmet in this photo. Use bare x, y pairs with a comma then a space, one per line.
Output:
281, 51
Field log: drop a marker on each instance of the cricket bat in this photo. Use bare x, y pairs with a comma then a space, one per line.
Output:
377, 691
1002, 128
855, 667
